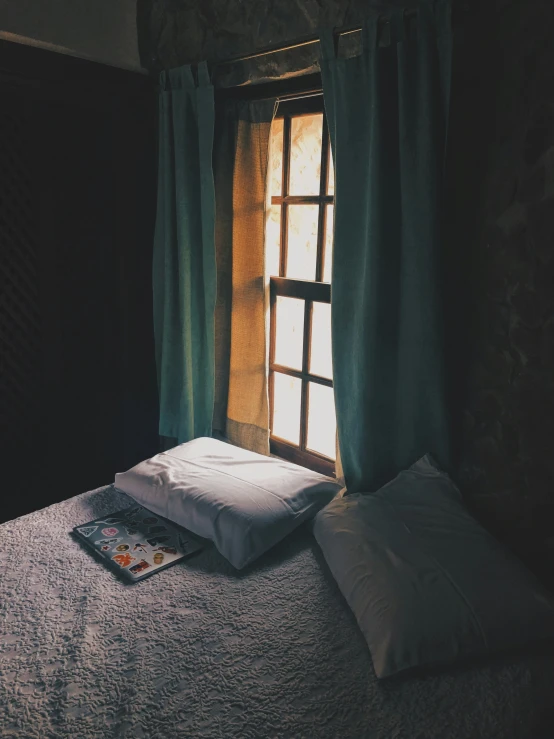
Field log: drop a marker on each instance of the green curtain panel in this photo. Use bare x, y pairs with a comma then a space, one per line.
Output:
184, 268
387, 112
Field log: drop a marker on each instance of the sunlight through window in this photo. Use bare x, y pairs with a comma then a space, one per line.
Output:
305, 154
299, 253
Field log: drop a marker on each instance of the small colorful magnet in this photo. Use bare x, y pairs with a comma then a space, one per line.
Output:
157, 529
110, 531
150, 520
87, 530
111, 520
107, 541
167, 550
139, 567
122, 548
158, 558
157, 540
124, 560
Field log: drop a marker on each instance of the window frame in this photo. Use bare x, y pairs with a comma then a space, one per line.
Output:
307, 290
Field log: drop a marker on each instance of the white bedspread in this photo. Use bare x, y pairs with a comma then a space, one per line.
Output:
200, 651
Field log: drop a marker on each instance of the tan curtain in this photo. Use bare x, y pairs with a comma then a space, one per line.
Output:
339, 474
241, 409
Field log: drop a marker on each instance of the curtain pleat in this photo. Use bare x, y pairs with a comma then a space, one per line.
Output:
184, 267
223, 167
387, 111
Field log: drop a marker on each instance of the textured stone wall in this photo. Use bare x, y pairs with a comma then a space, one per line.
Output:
507, 461
174, 32
500, 279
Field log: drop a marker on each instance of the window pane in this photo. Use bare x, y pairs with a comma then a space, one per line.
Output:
322, 424
302, 241
273, 240
276, 149
289, 339
329, 227
287, 392
331, 174
305, 154
320, 357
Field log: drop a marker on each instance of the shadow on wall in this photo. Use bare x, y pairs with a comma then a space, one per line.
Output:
502, 273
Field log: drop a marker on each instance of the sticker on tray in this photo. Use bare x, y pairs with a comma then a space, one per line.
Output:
131, 532
139, 567
87, 530
157, 529
105, 548
124, 560
107, 541
110, 531
111, 520
150, 520
158, 540
158, 558
140, 547
122, 548
167, 550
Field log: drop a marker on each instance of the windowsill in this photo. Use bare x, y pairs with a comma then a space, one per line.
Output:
279, 449
312, 461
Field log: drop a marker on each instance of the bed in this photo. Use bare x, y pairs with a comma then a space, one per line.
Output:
202, 651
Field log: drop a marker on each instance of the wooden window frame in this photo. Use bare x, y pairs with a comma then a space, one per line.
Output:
309, 291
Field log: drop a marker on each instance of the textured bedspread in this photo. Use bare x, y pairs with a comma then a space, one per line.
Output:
201, 651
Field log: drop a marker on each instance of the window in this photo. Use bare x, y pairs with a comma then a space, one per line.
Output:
299, 249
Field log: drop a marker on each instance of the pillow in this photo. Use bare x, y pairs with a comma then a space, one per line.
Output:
244, 502
427, 584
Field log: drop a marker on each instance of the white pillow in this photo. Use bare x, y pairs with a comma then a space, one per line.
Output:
244, 502
427, 584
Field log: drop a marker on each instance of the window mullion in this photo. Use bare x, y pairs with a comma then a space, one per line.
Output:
284, 193
272, 340
322, 206
302, 289
305, 369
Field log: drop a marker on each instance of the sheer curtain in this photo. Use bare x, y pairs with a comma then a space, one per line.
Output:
387, 111
241, 410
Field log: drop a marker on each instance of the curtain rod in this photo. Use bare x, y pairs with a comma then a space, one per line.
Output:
304, 41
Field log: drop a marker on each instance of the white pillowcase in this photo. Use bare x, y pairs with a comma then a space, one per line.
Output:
427, 583
244, 502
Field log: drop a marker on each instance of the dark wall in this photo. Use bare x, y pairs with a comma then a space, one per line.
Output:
502, 218
500, 252
76, 224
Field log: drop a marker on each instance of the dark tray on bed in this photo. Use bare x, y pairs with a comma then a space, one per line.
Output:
137, 542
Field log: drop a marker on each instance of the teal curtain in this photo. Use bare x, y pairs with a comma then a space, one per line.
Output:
387, 112
184, 268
